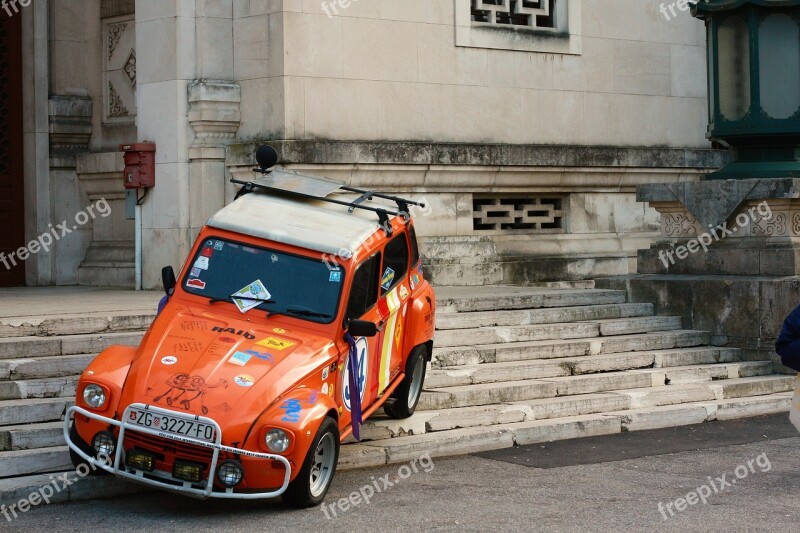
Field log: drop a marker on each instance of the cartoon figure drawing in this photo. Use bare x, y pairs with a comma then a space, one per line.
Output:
183, 383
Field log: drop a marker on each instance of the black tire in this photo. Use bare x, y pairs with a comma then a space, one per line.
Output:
76, 459
404, 401
315, 477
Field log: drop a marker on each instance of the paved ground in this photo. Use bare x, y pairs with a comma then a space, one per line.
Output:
48, 301
610, 483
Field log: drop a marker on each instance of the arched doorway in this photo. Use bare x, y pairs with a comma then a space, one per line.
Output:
12, 219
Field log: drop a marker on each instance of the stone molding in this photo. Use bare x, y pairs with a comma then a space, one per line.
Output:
70, 119
500, 155
214, 115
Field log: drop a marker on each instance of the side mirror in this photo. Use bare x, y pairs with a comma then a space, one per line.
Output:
168, 279
362, 328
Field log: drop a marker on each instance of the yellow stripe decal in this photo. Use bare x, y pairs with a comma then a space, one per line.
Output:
386, 353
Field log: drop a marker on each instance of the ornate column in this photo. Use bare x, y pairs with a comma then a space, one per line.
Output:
215, 117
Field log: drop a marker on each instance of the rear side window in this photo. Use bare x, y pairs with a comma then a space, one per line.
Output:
395, 264
412, 234
364, 293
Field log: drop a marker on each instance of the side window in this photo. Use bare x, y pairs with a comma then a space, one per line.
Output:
412, 234
364, 292
395, 265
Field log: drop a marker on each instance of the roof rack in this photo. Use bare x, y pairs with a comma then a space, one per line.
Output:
315, 188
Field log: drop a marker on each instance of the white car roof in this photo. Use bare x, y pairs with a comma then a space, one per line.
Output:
312, 224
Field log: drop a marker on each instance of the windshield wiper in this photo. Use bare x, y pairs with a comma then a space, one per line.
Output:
232, 297
305, 311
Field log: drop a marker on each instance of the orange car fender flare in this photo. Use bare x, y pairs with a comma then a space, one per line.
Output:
110, 368
419, 330
301, 411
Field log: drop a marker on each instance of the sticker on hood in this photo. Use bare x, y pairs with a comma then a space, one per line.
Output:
244, 380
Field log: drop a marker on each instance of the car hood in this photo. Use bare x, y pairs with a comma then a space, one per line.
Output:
206, 364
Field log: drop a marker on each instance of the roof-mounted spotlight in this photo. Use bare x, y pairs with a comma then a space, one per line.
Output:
267, 157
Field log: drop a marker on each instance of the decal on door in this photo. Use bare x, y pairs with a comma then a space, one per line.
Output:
362, 348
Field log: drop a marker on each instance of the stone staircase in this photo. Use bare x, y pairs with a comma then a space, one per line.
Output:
526, 366
40, 361
512, 366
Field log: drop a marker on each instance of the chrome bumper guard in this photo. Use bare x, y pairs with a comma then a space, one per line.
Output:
119, 470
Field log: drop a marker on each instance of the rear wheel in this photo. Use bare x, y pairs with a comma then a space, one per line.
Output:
406, 397
314, 479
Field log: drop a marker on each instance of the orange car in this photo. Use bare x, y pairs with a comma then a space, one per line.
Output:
300, 312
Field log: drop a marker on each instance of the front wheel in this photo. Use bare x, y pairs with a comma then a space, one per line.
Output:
405, 399
314, 479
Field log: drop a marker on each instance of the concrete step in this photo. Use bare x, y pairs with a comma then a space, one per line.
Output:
551, 315
32, 436
75, 324
44, 367
12, 490
563, 330
58, 387
504, 334
589, 364
468, 299
486, 393
634, 325
29, 347
694, 356
30, 411
703, 373
554, 349
505, 435
38, 461
754, 386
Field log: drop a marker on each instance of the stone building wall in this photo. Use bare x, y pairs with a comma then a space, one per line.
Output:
551, 121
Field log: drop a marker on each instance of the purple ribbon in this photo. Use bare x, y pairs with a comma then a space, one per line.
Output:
355, 392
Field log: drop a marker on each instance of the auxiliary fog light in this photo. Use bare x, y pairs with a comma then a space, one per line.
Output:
187, 471
139, 460
104, 443
230, 473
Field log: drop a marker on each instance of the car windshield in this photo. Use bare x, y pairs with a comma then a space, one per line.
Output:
259, 278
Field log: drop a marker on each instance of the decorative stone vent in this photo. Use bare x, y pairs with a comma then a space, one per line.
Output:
530, 214
538, 14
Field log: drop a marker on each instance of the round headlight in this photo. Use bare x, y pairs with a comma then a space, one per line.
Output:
230, 473
94, 396
277, 440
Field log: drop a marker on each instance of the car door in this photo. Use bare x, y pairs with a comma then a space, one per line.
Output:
392, 306
362, 305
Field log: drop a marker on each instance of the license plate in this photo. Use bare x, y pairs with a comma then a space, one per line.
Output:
173, 425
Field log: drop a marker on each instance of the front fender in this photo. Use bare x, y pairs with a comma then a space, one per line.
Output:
300, 413
110, 370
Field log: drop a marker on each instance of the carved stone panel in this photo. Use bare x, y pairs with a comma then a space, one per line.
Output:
119, 77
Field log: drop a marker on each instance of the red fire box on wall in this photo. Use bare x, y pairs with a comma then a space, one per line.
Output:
140, 165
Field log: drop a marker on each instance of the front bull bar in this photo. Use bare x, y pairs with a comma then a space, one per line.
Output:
186, 489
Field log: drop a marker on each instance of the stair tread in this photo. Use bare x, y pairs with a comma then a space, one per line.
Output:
537, 316
524, 344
